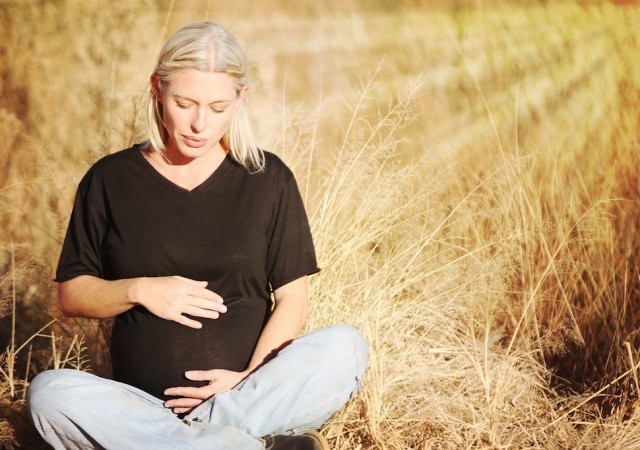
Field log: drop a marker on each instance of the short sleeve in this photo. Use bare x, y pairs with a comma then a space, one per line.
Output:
81, 253
291, 253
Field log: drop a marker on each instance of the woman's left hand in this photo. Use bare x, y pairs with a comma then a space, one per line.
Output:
220, 380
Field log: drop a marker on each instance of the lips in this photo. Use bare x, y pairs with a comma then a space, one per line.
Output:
193, 142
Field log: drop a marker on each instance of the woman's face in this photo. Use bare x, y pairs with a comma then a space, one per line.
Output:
197, 109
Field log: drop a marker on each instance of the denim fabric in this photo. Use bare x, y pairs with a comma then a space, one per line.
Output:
299, 389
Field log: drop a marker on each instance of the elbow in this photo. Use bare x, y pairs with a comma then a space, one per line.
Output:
301, 309
65, 301
297, 309
65, 310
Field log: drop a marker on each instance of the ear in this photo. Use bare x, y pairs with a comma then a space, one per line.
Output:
242, 94
154, 83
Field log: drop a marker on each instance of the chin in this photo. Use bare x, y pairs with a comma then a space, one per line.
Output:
188, 152
182, 150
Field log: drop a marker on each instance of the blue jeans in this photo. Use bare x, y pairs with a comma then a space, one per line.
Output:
299, 389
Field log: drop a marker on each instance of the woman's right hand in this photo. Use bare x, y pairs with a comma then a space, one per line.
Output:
173, 297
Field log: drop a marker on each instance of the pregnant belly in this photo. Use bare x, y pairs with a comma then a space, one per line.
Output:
153, 354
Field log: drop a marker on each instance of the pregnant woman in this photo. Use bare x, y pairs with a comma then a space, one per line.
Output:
198, 243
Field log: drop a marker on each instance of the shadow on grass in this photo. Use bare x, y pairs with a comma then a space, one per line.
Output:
24, 433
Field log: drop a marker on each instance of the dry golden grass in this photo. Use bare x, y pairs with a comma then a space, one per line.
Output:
471, 175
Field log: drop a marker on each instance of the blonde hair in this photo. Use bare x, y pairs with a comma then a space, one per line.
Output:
208, 47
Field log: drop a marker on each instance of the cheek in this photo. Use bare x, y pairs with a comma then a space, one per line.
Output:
176, 119
168, 116
223, 123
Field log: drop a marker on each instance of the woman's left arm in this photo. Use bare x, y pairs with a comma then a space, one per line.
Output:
287, 319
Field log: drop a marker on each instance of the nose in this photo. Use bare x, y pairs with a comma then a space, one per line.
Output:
199, 120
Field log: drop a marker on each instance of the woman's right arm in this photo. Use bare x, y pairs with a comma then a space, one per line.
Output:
166, 297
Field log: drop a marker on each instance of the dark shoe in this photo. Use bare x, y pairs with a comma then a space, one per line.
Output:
308, 440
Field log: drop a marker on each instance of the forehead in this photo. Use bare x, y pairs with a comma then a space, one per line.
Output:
206, 87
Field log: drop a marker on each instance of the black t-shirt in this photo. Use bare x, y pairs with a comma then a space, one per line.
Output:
246, 234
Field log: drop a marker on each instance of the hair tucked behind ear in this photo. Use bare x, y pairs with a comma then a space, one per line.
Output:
208, 47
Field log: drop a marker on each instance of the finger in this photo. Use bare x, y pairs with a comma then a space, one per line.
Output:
209, 305
188, 392
181, 410
191, 282
205, 294
187, 322
200, 375
182, 403
199, 312
213, 305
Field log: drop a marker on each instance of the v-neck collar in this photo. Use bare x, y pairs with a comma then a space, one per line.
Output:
212, 179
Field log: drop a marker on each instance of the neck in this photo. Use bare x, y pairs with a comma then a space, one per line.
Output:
184, 171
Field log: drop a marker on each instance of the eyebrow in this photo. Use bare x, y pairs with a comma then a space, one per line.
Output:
180, 97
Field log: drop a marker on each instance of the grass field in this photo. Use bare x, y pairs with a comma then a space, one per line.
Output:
470, 170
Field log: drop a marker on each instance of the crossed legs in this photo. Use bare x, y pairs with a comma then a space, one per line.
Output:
299, 389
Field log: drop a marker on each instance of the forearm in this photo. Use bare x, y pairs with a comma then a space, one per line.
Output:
170, 298
286, 321
93, 297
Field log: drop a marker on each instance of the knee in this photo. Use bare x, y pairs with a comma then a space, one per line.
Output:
350, 339
45, 389
40, 389
346, 345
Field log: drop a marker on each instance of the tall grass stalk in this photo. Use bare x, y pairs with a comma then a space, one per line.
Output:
12, 346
